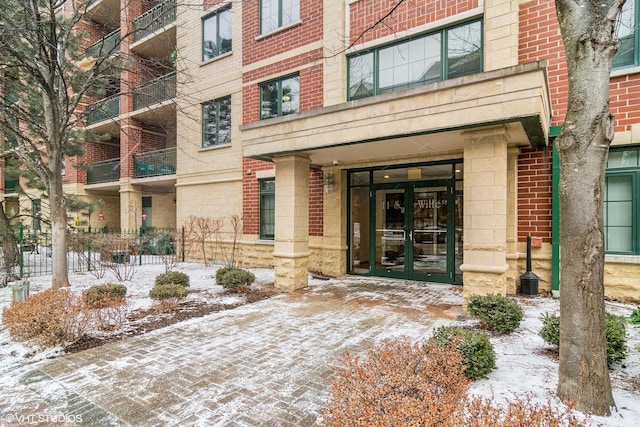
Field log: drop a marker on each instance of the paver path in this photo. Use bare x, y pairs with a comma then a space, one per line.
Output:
262, 364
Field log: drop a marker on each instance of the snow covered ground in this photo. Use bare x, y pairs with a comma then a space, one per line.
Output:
523, 364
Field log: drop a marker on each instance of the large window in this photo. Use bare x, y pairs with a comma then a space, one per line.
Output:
280, 97
216, 122
445, 54
278, 13
267, 208
627, 31
216, 34
622, 192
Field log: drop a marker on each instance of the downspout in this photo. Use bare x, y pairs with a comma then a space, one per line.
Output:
555, 214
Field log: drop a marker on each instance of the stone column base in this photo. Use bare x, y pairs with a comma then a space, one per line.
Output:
483, 280
291, 273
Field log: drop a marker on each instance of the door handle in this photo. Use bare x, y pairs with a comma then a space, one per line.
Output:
411, 235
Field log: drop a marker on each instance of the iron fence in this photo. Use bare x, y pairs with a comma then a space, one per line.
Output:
108, 45
104, 109
98, 250
104, 171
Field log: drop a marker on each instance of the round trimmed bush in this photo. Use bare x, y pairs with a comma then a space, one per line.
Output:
167, 291
480, 359
499, 313
106, 295
175, 277
614, 329
232, 277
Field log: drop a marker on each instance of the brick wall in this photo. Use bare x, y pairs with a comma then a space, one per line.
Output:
251, 202
311, 81
364, 14
534, 194
308, 31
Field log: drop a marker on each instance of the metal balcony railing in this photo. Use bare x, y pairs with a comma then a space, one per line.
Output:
10, 185
155, 163
108, 45
104, 109
155, 91
104, 171
154, 19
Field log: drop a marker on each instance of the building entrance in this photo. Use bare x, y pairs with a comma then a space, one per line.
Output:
408, 229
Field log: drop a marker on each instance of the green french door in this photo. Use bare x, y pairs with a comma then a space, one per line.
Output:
417, 231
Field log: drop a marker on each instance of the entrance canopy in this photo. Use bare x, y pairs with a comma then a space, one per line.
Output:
422, 121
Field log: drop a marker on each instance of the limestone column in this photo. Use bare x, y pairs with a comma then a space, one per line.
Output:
512, 219
130, 205
291, 241
334, 252
485, 211
501, 33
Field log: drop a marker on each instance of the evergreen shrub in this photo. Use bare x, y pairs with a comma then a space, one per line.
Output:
497, 312
477, 350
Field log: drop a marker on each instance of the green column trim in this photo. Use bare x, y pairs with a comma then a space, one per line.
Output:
555, 215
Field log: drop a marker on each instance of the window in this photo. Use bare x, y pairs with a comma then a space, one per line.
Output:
627, 32
216, 34
280, 97
267, 208
278, 13
622, 191
216, 122
445, 54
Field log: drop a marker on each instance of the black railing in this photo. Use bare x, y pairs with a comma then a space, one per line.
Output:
104, 109
155, 163
157, 90
104, 171
154, 19
108, 45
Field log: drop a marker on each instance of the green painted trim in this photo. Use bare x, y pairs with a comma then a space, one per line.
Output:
555, 219
554, 131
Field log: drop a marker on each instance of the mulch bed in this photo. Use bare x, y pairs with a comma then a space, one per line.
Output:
143, 321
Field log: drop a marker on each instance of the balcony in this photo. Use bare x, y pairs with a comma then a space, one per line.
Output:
108, 45
102, 110
10, 185
104, 171
104, 12
154, 19
155, 163
157, 90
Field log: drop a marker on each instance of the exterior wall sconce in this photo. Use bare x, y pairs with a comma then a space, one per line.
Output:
329, 182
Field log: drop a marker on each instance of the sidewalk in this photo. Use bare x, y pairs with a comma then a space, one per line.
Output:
262, 364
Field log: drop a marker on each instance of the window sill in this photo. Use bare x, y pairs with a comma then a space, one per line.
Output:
214, 147
278, 30
622, 259
265, 242
625, 71
217, 58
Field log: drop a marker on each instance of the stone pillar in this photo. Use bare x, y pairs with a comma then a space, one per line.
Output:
334, 251
485, 211
291, 242
500, 33
130, 205
512, 219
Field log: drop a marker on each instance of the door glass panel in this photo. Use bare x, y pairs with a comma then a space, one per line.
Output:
458, 229
430, 230
359, 261
390, 229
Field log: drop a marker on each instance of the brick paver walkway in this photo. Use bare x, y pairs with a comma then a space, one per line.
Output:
262, 364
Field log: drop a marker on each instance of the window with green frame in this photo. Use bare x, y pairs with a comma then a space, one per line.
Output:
216, 34
440, 55
267, 208
629, 36
622, 192
216, 122
280, 97
278, 13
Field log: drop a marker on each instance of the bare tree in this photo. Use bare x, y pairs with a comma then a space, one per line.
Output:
588, 32
200, 230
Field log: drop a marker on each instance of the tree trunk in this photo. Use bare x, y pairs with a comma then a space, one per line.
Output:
583, 145
10, 250
59, 266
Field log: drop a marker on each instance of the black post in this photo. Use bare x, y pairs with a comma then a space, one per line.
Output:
529, 281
